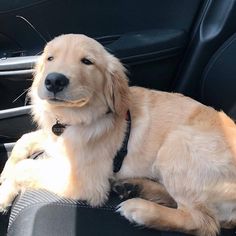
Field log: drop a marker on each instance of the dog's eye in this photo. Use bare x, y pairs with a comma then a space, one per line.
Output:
50, 58
86, 61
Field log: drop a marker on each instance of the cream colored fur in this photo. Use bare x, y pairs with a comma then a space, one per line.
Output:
186, 146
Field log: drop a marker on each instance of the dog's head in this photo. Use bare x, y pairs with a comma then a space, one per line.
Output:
76, 72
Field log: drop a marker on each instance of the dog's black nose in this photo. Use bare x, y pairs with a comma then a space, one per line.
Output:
56, 82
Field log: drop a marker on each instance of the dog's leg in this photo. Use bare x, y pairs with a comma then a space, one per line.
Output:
195, 221
27, 145
35, 174
143, 188
23, 174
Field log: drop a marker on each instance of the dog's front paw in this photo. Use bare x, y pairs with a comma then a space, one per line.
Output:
7, 171
136, 210
4, 208
7, 194
126, 190
4, 205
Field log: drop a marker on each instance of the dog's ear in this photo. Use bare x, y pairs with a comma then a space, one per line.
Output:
116, 86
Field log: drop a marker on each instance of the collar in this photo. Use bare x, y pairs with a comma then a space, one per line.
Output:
120, 155
59, 127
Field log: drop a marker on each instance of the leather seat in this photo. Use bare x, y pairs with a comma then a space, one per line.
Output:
38, 213
219, 79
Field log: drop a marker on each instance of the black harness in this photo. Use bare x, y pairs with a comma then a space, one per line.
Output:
59, 128
120, 155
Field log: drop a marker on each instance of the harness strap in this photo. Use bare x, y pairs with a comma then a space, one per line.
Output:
120, 155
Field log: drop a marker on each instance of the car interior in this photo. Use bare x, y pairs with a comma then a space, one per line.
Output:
184, 46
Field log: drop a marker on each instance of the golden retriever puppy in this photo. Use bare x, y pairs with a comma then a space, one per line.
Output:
81, 99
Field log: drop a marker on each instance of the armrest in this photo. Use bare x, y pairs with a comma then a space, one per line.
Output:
148, 45
17, 63
14, 112
17, 67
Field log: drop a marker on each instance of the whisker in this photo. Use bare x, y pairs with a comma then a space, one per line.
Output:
32, 27
27, 99
49, 35
38, 53
20, 95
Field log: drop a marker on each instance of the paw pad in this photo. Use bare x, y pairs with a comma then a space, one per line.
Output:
126, 190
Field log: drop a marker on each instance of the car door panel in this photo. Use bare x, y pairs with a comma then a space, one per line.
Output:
105, 20
94, 18
14, 123
145, 48
149, 38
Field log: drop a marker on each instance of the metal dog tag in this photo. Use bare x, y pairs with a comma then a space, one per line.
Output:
58, 128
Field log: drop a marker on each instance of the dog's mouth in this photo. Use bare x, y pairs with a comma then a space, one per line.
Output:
61, 102
73, 97
56, 100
